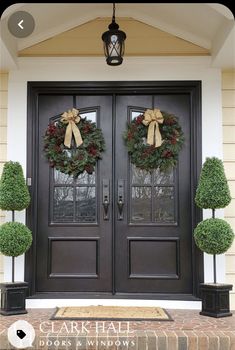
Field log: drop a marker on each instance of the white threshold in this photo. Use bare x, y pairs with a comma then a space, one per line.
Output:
168, 304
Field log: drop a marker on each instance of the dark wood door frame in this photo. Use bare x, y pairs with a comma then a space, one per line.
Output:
192, 88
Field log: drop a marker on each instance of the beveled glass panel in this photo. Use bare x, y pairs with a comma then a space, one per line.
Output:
61, 178
164, 210
141, 204
135, 114
86, 179
163, 177
139, 176
85, 204
89, 116
63, 204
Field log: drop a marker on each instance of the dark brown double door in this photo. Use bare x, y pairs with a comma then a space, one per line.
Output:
142, 244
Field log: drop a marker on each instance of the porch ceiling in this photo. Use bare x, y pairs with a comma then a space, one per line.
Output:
197, 29
142, 40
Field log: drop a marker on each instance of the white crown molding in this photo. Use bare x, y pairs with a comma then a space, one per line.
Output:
158, 60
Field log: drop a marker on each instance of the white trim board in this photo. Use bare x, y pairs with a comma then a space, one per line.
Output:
169, 304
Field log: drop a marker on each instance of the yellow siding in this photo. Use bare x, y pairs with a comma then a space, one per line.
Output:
3, 139
228, 97
229, 134
228, 115
229, 80
228, 102
229, 152
230, 170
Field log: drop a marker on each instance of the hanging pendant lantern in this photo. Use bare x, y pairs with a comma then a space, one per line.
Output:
114, 43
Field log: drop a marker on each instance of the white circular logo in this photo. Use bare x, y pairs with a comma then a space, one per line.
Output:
21, 334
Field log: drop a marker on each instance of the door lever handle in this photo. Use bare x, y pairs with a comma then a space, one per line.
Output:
120, 201
106, 199
120, 208
106, 208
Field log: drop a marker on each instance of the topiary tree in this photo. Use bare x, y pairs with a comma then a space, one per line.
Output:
14, 195
213, 236
212, 191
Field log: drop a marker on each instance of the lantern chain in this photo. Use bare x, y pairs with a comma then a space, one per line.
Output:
114, 8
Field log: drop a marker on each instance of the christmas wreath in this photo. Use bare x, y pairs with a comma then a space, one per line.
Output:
154, 140
73, 144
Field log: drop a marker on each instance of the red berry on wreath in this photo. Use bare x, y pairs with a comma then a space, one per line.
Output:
58, 149
51, 129
92, 151
129, 136
167, 154
170, 121
86, 129
80, 157
89, 169
139, 119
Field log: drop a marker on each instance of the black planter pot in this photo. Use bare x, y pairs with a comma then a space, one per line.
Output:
215, 299
13, 297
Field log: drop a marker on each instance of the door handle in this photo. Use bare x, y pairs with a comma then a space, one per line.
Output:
120, 201
106, 199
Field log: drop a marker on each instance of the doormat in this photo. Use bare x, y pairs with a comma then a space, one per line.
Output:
117, 313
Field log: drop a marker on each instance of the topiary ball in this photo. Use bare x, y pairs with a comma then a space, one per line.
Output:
213, 236
15, 238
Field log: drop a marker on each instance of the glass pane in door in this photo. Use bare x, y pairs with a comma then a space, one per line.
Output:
152, 193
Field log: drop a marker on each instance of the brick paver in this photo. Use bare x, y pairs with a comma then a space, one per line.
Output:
187, 331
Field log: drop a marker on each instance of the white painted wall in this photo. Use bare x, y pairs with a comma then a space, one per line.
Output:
95, 69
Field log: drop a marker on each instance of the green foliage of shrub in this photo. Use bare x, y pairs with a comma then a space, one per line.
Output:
212, 191
15, 239
213, 236
14, 194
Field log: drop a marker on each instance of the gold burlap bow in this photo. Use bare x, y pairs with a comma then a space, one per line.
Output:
71, 117
152, 119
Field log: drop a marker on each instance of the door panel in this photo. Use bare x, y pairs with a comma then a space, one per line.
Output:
74, 242
153, 241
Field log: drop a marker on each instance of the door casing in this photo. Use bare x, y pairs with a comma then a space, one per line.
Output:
193, 88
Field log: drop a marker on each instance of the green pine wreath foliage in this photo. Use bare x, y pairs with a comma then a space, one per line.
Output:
213, 236
14, 194
147, 157
212, 191
15, 238
74, 161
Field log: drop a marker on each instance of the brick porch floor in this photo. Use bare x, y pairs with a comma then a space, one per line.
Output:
189, 330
